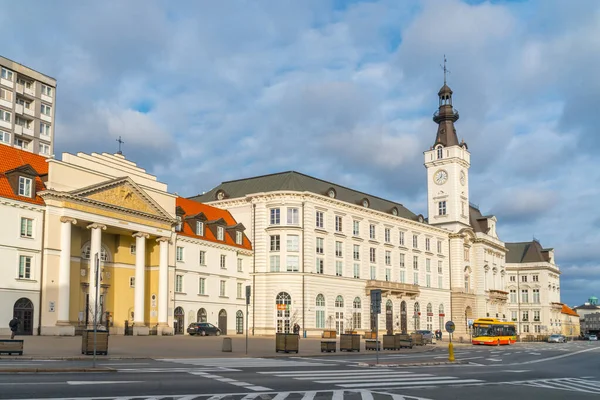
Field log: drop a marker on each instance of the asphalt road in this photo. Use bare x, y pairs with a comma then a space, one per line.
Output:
533, 371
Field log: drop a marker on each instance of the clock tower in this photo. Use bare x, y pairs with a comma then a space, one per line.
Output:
447, 163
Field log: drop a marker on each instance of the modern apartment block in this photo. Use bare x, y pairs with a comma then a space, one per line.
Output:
27, 108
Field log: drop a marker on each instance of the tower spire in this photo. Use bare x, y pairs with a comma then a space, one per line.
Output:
446, 115
120, 143
446, 71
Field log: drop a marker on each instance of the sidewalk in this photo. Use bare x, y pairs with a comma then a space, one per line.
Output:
130, 347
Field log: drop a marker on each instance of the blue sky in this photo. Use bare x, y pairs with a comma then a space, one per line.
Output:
207, 91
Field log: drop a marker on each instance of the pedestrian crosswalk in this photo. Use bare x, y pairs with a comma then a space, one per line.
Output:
296, 395
570, 384
371, 378
243, 362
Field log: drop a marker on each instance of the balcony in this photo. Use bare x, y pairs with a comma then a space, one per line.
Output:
22, 130
393, 288
19, 109
498, 295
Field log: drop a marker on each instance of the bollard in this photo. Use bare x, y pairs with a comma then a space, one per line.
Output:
450, 352
227, 345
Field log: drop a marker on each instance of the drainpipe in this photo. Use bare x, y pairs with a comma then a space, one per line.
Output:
303, 285
39, 329
253, 265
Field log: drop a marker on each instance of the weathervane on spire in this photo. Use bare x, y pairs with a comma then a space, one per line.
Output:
446, 70
120, 143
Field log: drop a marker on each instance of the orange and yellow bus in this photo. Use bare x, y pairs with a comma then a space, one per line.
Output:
493, 332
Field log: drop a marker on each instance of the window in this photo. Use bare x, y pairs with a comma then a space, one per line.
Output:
387, 235
525, 328
402, 277
415, 241
26, 104
428, 280
5, 95
293, 242
239, 291
293, 263
26, 227
338, 249
439, 247
536, 296
222, 287
240, 265
339, 267
535, 278
4, 137
372, 254
513, 278
402, 264
356, 252
320, 266
179, 253
47, 90
274, 263
416, 278
202, 286
293, 216
513, 315
388, 274
523, 278
466, 254
21, 143
202, 257
222, 263
320, 219
220, 233
275, 216
388, 257
46, 109
356, 228
199, 228
536, 316
356, 313
5, 116
372, 232
44, 148
440, 268
7, 74
179, 224
179, 283
440, 152
320, 248
320, 311
356, 271
132, 281
373, 272
132, 248
44, 129
239, 237
442, 208
427, 265
427, 244
440, 282
401, 239
416, 262
24, 267
338, 223
275, 243
24, 186
525, 315
513, 295
524, 296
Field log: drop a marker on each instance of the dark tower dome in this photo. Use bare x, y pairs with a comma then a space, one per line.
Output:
445, 117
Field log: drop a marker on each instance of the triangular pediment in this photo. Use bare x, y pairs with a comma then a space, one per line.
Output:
123, 193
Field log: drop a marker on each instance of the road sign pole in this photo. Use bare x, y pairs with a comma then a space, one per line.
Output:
450, 329
248, 291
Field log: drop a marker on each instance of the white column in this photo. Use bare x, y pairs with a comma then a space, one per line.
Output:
64, 272
163, 281
140, 275
95, 249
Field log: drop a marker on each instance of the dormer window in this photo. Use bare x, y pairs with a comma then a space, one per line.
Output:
440, 152
199, 228
25, 186
220, 233
238, 237
179, 224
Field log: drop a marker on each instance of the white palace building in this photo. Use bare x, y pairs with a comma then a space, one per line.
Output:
320, 248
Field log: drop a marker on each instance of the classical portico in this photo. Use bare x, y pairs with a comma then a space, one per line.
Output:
123, 225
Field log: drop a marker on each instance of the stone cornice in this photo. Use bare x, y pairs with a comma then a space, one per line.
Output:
22, 205
187, 239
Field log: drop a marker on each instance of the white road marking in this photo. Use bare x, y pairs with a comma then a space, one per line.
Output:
391, 384
99, 382
494, 359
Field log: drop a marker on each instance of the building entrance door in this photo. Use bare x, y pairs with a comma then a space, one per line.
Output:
179, 315
403, 323
389, 317
23, 310
223, 321
239, 322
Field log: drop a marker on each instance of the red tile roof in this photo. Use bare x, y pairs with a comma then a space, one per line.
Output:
192, 207
11, 158
568, 311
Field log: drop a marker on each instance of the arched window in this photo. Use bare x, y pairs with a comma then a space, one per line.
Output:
201, 317
239, 322
320, 312
417, 317
417, 308
440, 152
339, 314
339, 301
104, 254
356, 313
429, 308
441, 308
283, 303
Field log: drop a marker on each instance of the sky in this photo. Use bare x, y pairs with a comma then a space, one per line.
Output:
208, 91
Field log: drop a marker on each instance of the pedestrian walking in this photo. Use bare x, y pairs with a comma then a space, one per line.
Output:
13, 325
296, 329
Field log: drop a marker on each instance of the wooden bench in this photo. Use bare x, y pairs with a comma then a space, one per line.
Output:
328, 346
11, 346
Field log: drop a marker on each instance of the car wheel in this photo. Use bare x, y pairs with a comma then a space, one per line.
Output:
202, 333
218, 333
192, 333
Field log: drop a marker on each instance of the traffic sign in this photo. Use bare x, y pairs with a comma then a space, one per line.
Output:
450, 327
376, 301
248, 292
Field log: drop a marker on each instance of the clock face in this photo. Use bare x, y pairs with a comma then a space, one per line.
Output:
463, 178
440, 177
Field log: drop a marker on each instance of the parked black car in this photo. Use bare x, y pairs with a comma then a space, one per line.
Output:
203, 329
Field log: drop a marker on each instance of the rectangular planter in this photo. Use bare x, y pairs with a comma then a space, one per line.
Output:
389, 342
328, 346
403, 341
329, 334
287, 342
87, 342
349, 342
417, 339
370, 344
11, 347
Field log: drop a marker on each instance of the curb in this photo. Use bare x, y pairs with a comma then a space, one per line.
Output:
421, 364
54, 370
